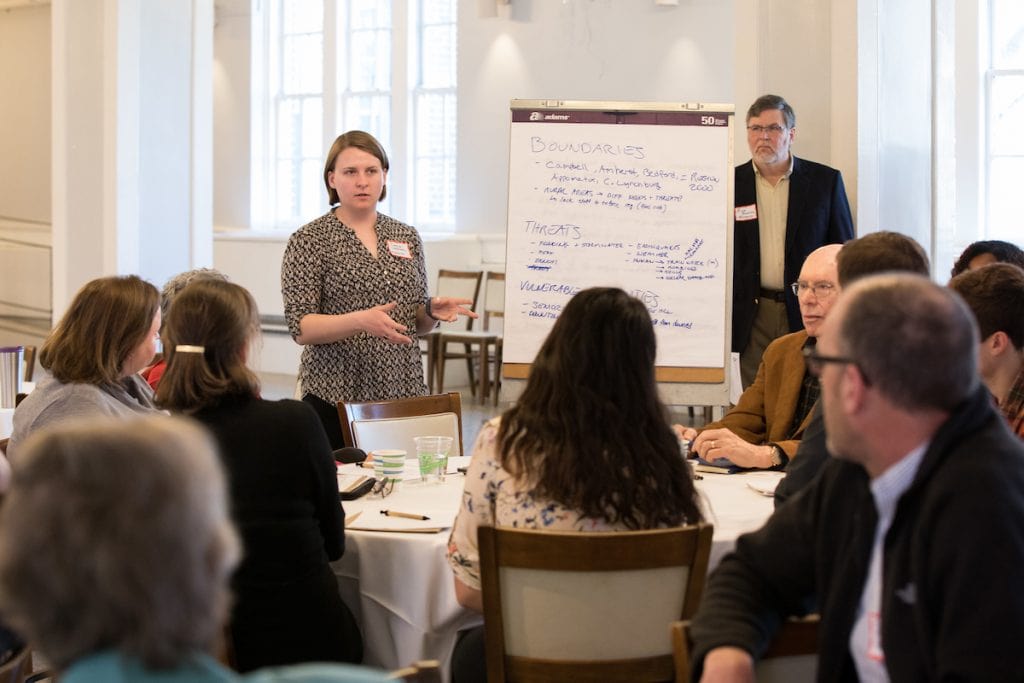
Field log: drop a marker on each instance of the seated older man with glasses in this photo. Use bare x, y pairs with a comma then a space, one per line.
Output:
764, 429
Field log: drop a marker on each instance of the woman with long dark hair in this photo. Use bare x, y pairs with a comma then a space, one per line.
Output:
587, 447
281, 476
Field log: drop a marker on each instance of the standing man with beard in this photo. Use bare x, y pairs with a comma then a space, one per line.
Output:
785, 208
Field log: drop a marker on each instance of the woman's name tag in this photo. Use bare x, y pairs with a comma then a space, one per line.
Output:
399, 249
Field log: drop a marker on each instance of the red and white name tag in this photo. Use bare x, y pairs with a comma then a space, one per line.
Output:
399, 249
746, 213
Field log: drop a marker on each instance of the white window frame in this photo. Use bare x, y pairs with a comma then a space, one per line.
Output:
989, 154
963, 214
399, 144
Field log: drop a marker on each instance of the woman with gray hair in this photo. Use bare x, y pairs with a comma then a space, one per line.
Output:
115, 552
171, 289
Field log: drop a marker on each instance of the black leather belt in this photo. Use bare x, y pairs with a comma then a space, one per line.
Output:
774, 295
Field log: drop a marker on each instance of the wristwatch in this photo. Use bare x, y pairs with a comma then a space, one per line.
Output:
429, 310
778, 456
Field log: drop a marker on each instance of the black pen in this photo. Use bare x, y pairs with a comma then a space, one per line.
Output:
404, 515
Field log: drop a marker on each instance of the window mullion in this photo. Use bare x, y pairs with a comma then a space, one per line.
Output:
332, 63
401, 114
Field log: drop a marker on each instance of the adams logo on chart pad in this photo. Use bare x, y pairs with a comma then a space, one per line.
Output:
537, 116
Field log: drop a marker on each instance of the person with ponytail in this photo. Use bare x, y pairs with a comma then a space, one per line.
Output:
281, 477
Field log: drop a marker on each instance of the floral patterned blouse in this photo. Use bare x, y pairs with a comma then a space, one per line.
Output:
492, 497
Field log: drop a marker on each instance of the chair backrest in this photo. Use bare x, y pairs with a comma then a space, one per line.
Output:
494, 300
459, 283
588, 606
30, 363
393, 424
791, 656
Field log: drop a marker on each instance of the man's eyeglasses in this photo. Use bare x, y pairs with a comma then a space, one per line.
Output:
774, 129
816, 362
383, 487
821, 290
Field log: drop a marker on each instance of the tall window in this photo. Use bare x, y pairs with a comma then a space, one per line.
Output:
1004, 109
384, 66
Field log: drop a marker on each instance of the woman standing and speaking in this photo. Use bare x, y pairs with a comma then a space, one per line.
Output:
355, 292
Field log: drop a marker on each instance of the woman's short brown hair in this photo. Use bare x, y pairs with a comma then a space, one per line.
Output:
115, 535
221, 318
360, 140
106, 321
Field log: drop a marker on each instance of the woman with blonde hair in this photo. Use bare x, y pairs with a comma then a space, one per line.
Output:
282, 479
93, 356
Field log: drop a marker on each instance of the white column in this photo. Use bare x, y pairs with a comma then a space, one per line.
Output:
132, 115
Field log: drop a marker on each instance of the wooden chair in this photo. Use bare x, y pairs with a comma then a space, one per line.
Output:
456, 283
795, 638
30, 363
393, 424
3, 445
588, 606
479, 343
425, 671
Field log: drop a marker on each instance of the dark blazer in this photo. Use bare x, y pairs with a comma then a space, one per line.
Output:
819, 214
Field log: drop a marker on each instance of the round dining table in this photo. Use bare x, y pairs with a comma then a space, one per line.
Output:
396, 580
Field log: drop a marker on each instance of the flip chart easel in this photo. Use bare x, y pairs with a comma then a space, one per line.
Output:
632, 195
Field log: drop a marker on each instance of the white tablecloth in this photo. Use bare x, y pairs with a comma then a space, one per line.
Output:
6, 422
399, 585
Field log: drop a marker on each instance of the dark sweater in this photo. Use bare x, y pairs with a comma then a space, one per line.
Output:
284, 499
952, 607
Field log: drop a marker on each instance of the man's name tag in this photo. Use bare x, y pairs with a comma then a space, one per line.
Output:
399, 249
746, 213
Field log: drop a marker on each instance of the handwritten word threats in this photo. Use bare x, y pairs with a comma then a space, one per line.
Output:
630, 199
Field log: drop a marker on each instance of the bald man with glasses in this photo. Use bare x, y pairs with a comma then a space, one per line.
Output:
910, 541
764, 429
785, 208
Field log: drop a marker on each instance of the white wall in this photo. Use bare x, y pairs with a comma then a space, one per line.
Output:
231, 99
631, 50
25, 104
24, 114
895, 84
858, 74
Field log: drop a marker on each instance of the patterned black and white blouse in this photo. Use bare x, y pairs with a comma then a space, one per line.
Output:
326, 269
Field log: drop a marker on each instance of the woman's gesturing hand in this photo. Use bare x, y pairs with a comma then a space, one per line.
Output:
449, 308
377, 322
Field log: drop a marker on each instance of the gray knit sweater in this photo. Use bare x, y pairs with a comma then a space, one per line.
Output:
53, 402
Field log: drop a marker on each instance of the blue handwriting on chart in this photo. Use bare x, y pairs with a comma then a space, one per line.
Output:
619, 186
694, 247
677, 324
542, 309
548, 287
569, 230
663, 259
597, 148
